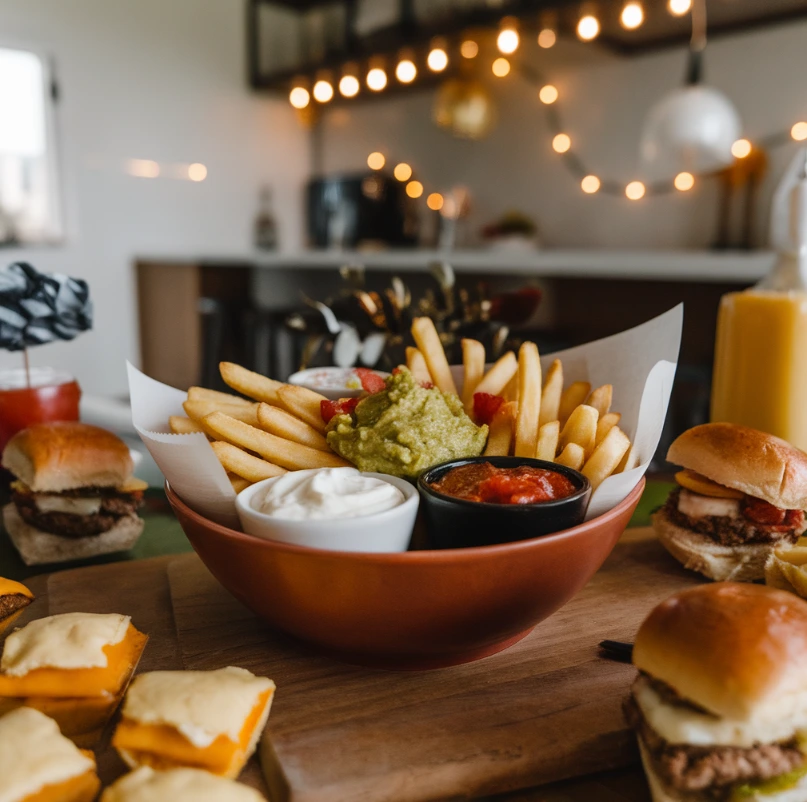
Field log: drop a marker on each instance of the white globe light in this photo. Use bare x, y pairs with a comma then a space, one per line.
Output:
692, 129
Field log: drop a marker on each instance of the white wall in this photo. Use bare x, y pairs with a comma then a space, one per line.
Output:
166, 81
603, 102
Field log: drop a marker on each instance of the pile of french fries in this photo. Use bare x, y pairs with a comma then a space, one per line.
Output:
573, 426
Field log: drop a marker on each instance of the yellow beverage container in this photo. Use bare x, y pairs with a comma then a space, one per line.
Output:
760, 370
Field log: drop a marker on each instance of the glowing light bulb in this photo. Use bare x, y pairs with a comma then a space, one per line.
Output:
197, 172
684, 181
349, 86
468, 49
323, 91
547, 38
741, 148
507, 41
376, 79
588, 28
376, 160
632, 15
435, 201
679, 7
402, 171
437, 59
548, 94
590, 184
414, 189
406, 71
561, 143
299, 97
799, 132
500, 67
635, 190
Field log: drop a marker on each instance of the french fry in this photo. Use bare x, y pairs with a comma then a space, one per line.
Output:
279, 422
550, 397
500, 436
238, 482
606, 457
197, 410
473, 364
203, 394
179, 424
548, 436
573, 396
238, 462
497, 378
580, 428
572, 456
428, 341
284, 453
250, 383
605, 424
529, 399
601, 398
304, 404
629, 461
510, 392
417, 365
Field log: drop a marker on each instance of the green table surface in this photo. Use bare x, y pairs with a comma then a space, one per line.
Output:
163, 535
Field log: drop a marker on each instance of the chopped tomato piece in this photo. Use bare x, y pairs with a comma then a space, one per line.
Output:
344, 406
761, 512
486, 406
370, 380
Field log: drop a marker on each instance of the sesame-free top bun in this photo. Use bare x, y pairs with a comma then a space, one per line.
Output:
736, 650
52, 457
748, 460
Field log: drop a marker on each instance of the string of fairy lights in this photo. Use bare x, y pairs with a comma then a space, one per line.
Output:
508, 40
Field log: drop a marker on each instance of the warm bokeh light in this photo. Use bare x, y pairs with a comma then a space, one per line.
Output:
741, 148
349, 86
143, 168
197, 171
507, 41
684, 181
799, 131
635, 190
437, 59
590, 184
500, 67
406, 71
547, 38
376, 160
632, 15
548, 94
323, 91
435, 201
679, 7
299, 97
469, 49
561, 143
414, 189
588, 28
402, 171
376, 79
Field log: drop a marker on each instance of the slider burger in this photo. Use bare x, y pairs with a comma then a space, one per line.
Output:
720, 703
74, 496
741, 493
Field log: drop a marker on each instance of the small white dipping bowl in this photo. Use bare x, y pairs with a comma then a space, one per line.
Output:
388, 531
330, 381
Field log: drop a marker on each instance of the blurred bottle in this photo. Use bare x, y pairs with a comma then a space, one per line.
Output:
265, 225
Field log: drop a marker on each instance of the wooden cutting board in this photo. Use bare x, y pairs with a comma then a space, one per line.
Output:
546, 709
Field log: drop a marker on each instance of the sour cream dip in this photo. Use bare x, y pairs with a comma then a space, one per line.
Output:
327, 494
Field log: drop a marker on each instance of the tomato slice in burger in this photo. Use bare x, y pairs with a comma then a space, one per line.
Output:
761, 512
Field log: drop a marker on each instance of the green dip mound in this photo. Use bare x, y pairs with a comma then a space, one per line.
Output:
405, 429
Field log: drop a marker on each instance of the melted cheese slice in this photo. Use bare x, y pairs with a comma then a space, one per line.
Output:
38, 764
697, 506
8, 587
178, 785
705, 487
87, 667
72, 505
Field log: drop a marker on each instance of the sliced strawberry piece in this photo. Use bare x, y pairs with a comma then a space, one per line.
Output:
486, 406
761, 512
370, 380
343, 406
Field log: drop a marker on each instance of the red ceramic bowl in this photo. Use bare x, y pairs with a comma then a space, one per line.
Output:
411, 610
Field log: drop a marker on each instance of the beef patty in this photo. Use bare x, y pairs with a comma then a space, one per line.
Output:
114, 506
11, 602
711, 769
735, 531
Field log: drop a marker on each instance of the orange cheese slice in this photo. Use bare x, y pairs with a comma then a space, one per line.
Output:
8, 587
83, 788
705, 487
162, 746
122, 658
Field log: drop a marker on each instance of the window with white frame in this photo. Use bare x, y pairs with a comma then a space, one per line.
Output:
29, 196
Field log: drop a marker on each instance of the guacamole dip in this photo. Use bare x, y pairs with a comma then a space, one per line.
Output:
405, 429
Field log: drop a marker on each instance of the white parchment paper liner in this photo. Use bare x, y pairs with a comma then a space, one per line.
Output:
640, 363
